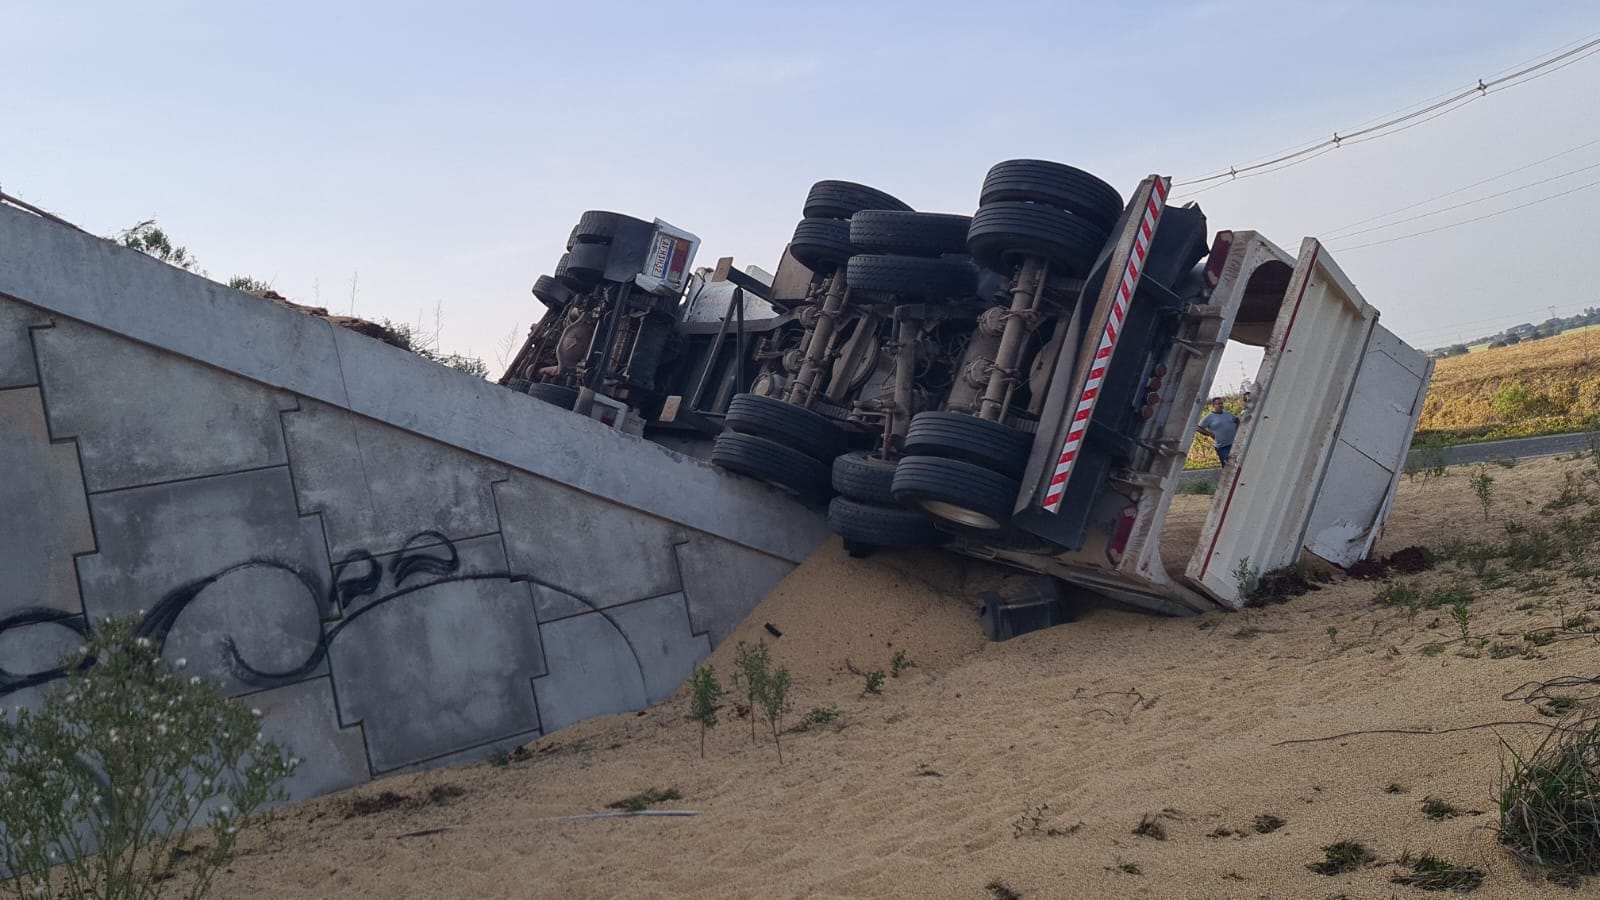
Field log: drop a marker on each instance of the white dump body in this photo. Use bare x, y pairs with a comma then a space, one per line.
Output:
1314, 465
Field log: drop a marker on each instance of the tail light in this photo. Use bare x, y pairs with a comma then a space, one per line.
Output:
1219, 256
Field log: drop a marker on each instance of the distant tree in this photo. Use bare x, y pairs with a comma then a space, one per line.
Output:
1496, 345
1512, 338
148, 238
248, 285
1457, 350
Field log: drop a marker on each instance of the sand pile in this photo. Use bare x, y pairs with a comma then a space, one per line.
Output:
1030, 763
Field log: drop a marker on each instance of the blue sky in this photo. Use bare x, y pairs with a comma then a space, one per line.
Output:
442, 151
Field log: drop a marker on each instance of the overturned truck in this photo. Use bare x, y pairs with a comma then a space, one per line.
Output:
1021, 385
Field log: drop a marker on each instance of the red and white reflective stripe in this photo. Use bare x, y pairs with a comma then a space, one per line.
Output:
1108, 340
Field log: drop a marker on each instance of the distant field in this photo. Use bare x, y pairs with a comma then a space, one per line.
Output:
1549, 386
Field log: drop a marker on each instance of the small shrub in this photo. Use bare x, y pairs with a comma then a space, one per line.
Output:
1150, 827
1439, 810
1001, 891
775, 703
1430, 873
1483, 488
123, 758
875, 681
752, 667
1452, 595
1245, 576
1341, 857
818, 717
1267, 823
645, 799
900, 663
1549, 801
1506, 462
1462, 617
705, 694
1402, 594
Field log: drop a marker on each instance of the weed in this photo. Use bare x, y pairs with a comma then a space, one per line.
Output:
1500, 650
1247, 632
1428, 462
1267, 823
126, 755
1395, 788
1573, 492
1453, 594
1333, 639
1577, 623
1199, 486
1514, 527
1150, 827
1462, 617
875, 682
775, 703
816, 718
1402, 594
1483, 488
925, 771
1245, 576
900, 663
1539, 638
1559, 706
1506, 462
1438, 810
1341, 857
1432, 649
705, 693
1063, 832
1130, 868
1001, 891
751, 670
1430, 873
1550, 801
645, 799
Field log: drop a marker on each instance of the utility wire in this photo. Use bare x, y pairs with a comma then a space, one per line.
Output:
1430, 110
1520, 187
1402, 237
1468, 187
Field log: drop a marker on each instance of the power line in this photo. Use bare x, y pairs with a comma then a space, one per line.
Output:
1520, 187
1467, 187
1492, 215
1446, 103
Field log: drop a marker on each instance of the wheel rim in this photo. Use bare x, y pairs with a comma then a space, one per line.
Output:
960, 515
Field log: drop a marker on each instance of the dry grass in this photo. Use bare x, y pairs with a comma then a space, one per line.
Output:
1539, 387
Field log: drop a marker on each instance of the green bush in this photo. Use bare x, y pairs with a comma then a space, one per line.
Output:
1550, 802
103, 782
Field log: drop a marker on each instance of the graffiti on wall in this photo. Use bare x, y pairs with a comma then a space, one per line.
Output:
425, 562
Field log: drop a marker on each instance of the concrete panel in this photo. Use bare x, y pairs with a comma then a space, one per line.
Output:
391, 385
93, 280
367, 480
615, 661
724, 582
142, 416
229, 556
44, 516
441, 661
16, 347
603, 552
303, 720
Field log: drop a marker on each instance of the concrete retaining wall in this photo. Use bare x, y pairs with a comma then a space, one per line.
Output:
403, 566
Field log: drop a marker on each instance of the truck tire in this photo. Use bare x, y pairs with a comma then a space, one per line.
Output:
959, 491
1051, 183
562, 275
821, 243
912, 276
861, 476
909, 233
998, 448
812, 434
843, 199
769, 461
586, 263
554, 394
1003, 233
520, 385
598, 227
881, 526
551, 292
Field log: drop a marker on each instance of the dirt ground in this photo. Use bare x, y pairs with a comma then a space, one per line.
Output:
1027, 764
